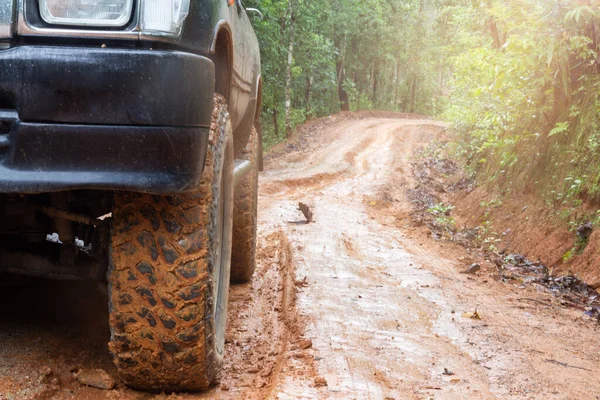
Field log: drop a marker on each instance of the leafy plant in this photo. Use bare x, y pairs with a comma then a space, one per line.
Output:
440, 209
525, 96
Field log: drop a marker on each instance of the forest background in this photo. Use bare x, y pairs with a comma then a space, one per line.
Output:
518, 80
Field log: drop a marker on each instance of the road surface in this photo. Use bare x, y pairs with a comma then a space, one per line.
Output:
359, 304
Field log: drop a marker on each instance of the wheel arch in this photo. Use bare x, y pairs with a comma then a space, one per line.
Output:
257, 124
258, 92
221, 51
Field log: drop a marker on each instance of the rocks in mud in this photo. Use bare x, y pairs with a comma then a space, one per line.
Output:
472, 315
417, 221
584, 231
97, 378
267, 371
594, 313
570, 290
305, 344
320, 382
473, 268
47, 376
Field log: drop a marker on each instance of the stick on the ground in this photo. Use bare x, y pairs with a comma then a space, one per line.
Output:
535, 301
306, 211
564, 364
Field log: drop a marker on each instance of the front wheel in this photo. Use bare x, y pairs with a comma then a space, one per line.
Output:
169, 276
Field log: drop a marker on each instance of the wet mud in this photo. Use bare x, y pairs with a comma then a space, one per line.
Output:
361, 303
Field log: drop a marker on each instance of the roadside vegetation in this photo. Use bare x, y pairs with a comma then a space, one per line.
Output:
518, 80
525, 98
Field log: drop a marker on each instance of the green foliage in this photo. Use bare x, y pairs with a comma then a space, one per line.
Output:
441, 212
568, 256
519, 79
560, 127
577, 249
440, 209
525, 95
384, 54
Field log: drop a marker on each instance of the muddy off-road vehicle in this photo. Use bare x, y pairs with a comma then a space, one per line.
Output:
130, 153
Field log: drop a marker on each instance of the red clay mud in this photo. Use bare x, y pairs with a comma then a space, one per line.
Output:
358, 304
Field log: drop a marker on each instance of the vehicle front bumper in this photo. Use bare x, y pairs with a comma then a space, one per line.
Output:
103, 118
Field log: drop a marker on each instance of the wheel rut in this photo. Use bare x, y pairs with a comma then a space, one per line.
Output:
358, 304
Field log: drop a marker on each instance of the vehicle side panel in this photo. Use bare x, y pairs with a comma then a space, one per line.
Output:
201, 28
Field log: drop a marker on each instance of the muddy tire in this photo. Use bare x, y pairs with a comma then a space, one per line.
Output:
169, 276
261, 161
243, 261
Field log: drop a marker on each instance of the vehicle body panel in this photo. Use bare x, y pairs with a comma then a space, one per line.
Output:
79, 85
116, 86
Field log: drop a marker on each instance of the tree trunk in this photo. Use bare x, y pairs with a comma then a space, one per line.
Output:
396, 84
341, 78
494, 32
375, 77
358, 91
355, 74
308, 94
491, 24
342, 94
275, 122
288, 73
413, 94
308, 85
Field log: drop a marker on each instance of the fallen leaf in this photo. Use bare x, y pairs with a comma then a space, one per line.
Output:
472, 315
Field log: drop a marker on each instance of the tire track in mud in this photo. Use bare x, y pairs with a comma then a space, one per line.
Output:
267, 349
264, 326
62, 327
350, 157
313, 182
385, 303
358, 304
349, 265
344, 159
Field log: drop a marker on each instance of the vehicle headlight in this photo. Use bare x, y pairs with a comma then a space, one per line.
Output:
112, 13
164, 16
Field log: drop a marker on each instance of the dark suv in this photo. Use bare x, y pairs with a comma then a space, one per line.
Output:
129, 154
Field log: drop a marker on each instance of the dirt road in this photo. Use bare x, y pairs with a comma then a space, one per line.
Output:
358, 304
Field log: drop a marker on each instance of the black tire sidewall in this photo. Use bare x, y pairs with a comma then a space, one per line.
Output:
223, 175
